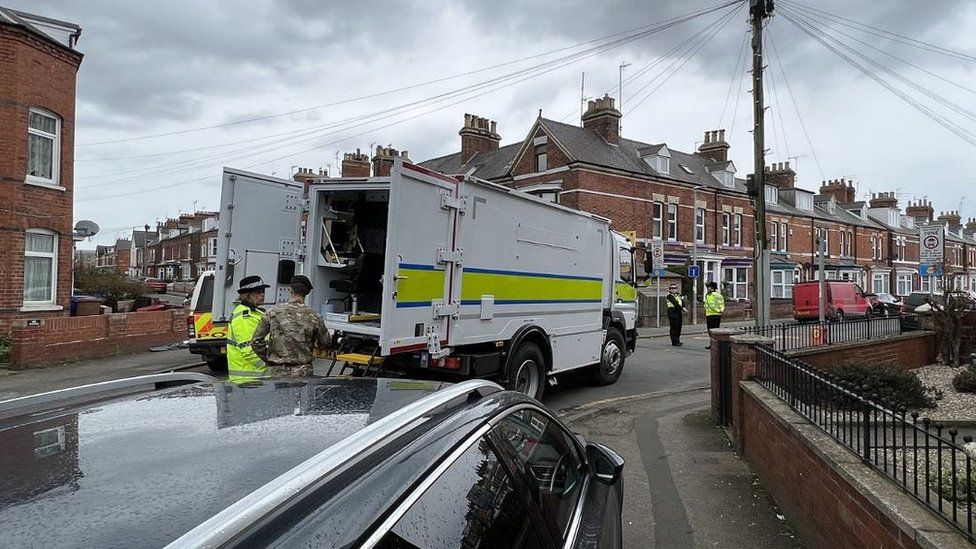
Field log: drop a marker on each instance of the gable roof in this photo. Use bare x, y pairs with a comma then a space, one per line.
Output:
59, 32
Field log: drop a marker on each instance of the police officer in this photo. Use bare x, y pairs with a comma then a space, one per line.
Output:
714, 307
676, 307
289, 334
242, 363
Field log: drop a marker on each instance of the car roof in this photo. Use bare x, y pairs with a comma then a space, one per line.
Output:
144, 469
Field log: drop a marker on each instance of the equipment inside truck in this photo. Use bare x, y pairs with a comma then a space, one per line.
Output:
351, 248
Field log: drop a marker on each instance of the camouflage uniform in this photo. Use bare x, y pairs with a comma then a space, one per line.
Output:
286, 337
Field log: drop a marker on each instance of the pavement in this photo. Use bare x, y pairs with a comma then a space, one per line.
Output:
683, 486
687, 329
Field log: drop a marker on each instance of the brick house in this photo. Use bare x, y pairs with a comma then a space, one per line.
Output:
179, 252
38, 69
117, 257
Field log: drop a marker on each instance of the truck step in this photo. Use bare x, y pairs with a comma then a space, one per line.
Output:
357, 358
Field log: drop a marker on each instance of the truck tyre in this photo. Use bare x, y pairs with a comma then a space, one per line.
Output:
611, 358
217, 364
527, 371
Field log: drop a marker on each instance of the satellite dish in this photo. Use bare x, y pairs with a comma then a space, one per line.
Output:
86, 228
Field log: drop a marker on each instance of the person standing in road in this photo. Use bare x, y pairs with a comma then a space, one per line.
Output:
676, 310
714, 307
288, 335
243, 364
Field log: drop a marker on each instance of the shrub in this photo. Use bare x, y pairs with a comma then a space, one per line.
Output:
945, 489
4, 349
109, 285
892, 384
965, 381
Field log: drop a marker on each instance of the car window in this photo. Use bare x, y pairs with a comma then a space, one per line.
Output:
474, 504
550, 462
204, 302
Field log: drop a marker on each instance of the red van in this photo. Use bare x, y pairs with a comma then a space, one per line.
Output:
844, 299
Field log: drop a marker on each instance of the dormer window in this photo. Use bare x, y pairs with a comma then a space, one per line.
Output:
772, 195
658, 157
831, 207
724, 172
804, 201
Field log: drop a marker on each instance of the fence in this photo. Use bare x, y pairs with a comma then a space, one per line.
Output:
926, 460
798, 335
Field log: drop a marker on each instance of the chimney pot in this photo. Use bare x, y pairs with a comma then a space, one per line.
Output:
721, 135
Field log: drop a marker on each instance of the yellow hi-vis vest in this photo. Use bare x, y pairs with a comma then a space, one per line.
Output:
242, 363
714, 303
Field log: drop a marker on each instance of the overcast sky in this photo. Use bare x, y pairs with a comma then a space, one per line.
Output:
160, 67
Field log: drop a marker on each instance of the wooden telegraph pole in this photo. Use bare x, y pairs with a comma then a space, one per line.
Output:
759, 11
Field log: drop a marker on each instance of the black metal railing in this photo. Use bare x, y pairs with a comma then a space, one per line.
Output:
926, 460
789, 336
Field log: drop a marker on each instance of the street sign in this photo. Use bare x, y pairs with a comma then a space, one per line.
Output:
631, 237
931, 247
694, 271
929, 269
657, 256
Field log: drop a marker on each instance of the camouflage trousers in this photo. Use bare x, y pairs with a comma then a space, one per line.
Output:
304, 370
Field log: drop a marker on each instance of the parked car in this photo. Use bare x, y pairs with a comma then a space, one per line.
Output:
843, 300
323, 462
155, 285
917, 299
884, 304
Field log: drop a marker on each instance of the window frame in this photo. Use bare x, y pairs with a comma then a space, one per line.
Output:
737, 229
672, 222
53, 256
726, 228
657, 220
541, 155
774, 235
783, 231
784, 285
55, 179
700, 225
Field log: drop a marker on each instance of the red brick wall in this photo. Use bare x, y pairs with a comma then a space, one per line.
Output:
827, 509
68, 339
33, 73
911, 350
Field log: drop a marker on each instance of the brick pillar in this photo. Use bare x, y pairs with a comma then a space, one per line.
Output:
718, 335
743, 369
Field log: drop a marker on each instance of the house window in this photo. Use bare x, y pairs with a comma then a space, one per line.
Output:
40, 267
541, 158
213, 246
672, 222
737, 230
782, 237
904, 284
43, 147
548, 196
774, 236
879, 283
657, 223
726, 228
822, 235
735, 282
772, 195
700, 225
782, 284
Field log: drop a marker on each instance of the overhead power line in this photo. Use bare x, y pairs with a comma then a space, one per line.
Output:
737, 66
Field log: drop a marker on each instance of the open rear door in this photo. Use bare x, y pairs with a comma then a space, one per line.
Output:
420, 260
259, 234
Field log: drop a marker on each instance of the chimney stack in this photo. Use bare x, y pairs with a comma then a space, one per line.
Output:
921, 211
355, 164
602, 117
841, 189
383, 161
883, 200
952, 220
715, 146
478, 135
970, 229
304, 175
780, 175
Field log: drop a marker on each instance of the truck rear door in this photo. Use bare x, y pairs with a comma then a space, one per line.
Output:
259, 234
420, 260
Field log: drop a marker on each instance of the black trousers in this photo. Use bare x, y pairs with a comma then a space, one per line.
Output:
713, 321
675, 319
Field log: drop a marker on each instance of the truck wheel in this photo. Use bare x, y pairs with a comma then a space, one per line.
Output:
526, 371
611, 358
217, 364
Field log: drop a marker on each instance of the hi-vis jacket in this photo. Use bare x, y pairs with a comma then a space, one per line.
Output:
675, 302
714, 303
242, 363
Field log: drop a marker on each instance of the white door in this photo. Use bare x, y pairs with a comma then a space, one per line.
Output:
259, 234
420, 260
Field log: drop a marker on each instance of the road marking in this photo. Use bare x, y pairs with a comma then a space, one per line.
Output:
579, 412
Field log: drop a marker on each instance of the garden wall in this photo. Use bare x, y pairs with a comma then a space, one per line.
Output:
909, 350
45, 341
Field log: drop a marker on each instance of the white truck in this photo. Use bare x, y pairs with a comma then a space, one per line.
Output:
435, 275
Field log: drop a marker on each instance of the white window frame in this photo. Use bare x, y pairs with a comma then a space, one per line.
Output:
657, 220
55, 179
735, 289
213, 247
672, 222
879, 283
53, 256
541, 156
726, 228
774, 235
737, 230
904, 284
782, 285
700, 225
783, 231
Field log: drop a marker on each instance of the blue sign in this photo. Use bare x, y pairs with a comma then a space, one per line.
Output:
694, 271
930, 269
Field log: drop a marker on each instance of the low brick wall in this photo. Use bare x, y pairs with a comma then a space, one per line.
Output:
41, 342
909, 350
832, 498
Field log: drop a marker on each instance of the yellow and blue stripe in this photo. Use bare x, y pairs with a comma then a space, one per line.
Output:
423, 284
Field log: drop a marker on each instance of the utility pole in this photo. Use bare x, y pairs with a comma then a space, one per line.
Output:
620, 90
759, 10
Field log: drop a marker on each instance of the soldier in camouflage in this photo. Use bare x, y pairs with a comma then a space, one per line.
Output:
289, 334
